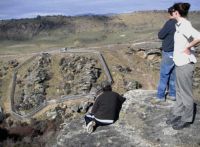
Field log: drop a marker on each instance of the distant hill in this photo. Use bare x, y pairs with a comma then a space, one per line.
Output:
23, 29
78, 31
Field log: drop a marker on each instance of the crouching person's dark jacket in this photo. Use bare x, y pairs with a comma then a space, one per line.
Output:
107, 106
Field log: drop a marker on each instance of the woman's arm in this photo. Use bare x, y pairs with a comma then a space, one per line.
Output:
190, 45
190, 32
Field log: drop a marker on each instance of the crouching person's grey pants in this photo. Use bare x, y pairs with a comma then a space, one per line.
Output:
184, 105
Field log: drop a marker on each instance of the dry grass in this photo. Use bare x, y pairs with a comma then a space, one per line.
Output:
92, 32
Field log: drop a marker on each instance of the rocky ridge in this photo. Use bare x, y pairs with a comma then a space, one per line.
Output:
141, 123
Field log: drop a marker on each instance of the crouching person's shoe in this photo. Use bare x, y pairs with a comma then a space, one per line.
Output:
173, 119
90, 127
181, 125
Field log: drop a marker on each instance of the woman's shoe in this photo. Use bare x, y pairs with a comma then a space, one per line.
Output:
173, 119
181, 125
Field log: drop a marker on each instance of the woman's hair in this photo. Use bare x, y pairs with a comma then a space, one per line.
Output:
171, 10
182, 8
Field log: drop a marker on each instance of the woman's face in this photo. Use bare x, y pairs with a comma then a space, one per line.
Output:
176, 14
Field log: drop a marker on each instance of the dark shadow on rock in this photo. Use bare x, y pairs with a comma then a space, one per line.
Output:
3, 134
100, 125
121, 103
194, 112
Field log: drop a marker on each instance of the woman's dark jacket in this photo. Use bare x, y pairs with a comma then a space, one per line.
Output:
167, 35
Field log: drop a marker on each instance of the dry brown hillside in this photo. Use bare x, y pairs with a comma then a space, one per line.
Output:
50, 32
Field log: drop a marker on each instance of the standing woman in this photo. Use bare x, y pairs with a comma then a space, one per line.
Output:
185, 38
167, 70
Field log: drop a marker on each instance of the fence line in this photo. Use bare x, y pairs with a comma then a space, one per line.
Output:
62, 98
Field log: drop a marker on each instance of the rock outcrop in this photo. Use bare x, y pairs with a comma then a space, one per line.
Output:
141, 123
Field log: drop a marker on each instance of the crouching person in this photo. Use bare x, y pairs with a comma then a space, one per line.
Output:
106, 108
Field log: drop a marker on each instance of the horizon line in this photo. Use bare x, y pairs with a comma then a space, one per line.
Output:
86, 14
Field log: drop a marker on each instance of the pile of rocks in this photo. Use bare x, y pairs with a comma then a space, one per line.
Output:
152, 54
4, 69
131, 85
31, 86
79, 74
65, 111
11, 64
123, 69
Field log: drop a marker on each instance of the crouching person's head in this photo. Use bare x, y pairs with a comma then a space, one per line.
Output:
106, 86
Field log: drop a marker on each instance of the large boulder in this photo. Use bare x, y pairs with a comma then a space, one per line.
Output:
141, 123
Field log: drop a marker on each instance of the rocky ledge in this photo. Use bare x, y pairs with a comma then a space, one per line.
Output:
141, 124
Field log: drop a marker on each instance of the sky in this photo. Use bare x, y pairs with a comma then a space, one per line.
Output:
15, 9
